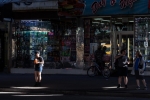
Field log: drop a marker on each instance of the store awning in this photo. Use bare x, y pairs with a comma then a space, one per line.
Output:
2, 2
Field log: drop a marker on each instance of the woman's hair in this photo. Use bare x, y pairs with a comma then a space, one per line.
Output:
139, 53
37, 52
122, 51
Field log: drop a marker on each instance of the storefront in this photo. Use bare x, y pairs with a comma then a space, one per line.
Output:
55, 37
113, 24
109, 23
65, 44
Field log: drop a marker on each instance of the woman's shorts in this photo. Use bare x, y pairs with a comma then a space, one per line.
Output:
138, 76
39, 69
122, 71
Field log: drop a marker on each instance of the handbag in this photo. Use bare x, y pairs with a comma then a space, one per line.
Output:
140, 66
141, 72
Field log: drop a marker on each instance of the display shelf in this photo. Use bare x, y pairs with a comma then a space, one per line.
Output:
142, 35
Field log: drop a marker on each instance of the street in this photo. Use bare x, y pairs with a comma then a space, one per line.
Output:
56, 87
63, 97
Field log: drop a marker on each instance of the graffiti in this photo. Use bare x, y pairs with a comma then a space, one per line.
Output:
97, 5
124, 3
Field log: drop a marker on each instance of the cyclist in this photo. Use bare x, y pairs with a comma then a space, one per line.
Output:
98, 54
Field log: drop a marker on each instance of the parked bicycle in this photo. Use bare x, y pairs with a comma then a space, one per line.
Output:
95, 69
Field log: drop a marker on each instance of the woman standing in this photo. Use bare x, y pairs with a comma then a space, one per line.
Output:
38, 65
138, 70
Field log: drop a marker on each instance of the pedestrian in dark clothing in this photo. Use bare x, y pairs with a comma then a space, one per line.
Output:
98, 56
103, 54
122, 68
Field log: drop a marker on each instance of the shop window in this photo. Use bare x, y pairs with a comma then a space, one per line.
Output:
56, 43
123, 23
96, 33
142, 37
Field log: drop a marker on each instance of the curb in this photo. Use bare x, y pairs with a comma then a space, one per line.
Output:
127, 93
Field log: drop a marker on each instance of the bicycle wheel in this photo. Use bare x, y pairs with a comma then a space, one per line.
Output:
106, 72
92, 71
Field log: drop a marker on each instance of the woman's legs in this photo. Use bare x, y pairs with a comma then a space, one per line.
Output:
36, 76
138, 82
125, 80
119, 80
144, 83
39, 77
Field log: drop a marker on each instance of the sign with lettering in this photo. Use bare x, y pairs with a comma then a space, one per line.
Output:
113, 7
146, 44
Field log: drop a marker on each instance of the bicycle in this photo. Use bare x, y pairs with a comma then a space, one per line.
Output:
96, 70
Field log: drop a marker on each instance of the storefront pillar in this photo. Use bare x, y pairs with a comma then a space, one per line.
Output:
120, 42
114, 44
9, 46
80, 43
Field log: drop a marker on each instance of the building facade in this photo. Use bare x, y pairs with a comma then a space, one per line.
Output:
67, 33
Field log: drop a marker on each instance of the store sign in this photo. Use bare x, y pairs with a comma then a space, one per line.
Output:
35, 5
115, 7
146, 44
123, 4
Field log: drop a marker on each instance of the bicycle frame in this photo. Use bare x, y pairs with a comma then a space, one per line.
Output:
97, 67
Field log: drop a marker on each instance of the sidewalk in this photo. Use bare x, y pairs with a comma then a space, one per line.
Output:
71, 85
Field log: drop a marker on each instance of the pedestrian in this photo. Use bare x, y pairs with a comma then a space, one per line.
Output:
138, 70
98, 54
38, 65
104, 55
122, 63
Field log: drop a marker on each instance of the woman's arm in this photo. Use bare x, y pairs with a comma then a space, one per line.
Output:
143, 63
37, 62
118, 56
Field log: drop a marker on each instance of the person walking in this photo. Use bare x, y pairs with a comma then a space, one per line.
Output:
38, 65
122, 68
138, 70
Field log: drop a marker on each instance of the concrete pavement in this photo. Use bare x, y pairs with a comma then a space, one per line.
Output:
72, 85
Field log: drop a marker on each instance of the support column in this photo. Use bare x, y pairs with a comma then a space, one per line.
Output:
120, 42
114, 44
10, 47
80, 44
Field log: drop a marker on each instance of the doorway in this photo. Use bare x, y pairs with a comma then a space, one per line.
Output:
125, 41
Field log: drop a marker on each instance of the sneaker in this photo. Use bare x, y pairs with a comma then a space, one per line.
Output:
137, 87
145, 88
126, 86
118, 86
